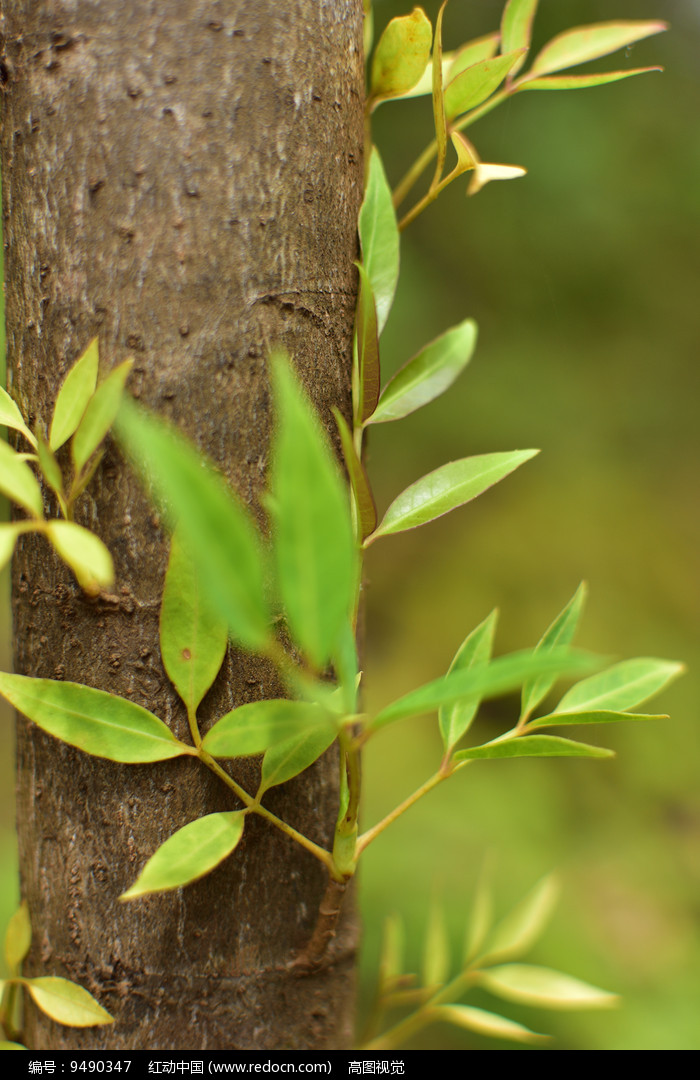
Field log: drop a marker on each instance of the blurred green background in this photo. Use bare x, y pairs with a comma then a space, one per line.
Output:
583, 279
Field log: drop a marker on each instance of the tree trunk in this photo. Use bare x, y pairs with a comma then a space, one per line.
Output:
183, 180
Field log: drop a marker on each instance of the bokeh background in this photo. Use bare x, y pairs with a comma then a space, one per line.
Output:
583, 277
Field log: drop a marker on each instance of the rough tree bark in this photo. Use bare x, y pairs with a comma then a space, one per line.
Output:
182, 180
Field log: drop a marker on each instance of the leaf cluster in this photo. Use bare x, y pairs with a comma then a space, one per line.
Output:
83, 413
490, 961
64, 1001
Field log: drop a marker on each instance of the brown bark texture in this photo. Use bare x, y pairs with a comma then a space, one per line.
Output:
183, 180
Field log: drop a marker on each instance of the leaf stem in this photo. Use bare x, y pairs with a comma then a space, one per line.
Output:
367, 837
255, 807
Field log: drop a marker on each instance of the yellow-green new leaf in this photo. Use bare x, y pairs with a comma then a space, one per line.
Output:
84, 552
379, 238
216, 527
516, 28
254, 728
428, 374
436, 950
11, 417
446, 488
94, 721
401, 55
622, 686
474, 653
9, 531
485, 1023
478, 82
66, 1002
77, 389
366, 375
585, 43
18, 482
11, 1046
99, 415
521, 927
313, 538
560, 632
391, 959
287, 759
581, 82
532, 746
530, 985
365, 506
502, 675
189, 854
18, 938
193, 635
480, 917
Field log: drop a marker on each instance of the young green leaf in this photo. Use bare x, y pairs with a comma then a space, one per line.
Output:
74, 395
66, 1002
560, 632
521, 927
581, 82
99, 415
216, 527
438, 99
189, 854
591, 42
516, 28
391, 959
598, 716
622, 686
478, 82
18, 938
446, 488
366, 377
504, 674
254, 728
541, 986
288, 759
11, 1046
11, 417
18, 482
379, 238
533, 746
9, 531
313, 539
84, 552
94, 721
473, 654
192, 635
473, 52
436, 951
485, 1023
365, 507
432, 371
401, 55
51, 471
480, 917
